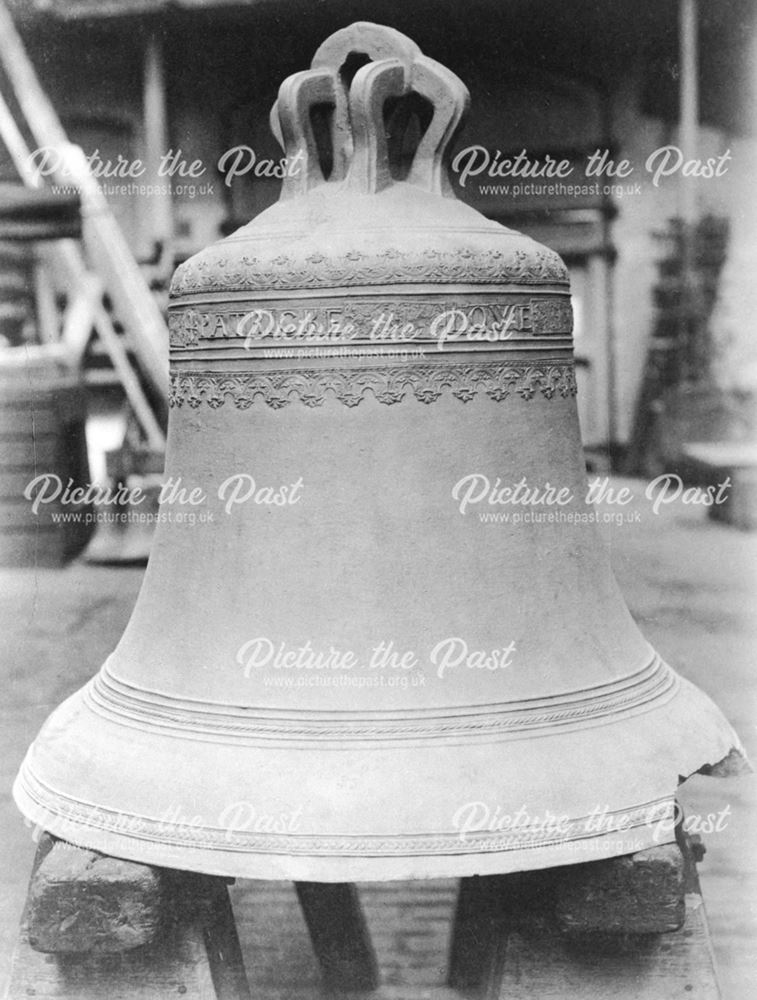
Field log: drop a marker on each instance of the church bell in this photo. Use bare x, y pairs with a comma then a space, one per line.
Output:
358, 653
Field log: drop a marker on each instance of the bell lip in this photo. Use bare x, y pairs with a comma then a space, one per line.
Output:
275, 866
336, 868
344, 868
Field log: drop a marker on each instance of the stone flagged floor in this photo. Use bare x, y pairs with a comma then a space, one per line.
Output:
691, 585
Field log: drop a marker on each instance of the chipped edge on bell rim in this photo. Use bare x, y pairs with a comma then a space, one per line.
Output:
278, 861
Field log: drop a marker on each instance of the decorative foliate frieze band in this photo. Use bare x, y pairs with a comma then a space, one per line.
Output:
228, 269
387, 384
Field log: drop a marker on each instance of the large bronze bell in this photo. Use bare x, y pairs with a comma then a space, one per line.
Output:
337, 670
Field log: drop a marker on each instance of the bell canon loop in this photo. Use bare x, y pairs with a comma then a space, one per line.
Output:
336, 670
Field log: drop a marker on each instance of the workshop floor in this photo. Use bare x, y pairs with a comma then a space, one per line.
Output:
689, 582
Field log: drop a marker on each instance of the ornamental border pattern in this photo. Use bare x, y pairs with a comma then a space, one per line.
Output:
71, 811
657, 684
224, 271
388, 384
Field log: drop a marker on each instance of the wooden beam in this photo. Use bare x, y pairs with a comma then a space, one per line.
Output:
156, 144
340, 935
489, 909
478, 932
222, 944
688, 103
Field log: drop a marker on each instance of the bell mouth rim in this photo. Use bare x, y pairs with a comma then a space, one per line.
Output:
327, 814
284, 866
638, 828
113, 698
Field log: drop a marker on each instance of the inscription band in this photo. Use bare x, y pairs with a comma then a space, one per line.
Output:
441, 321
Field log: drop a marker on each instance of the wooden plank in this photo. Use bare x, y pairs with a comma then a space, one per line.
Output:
339, 933
174, 966
543, 964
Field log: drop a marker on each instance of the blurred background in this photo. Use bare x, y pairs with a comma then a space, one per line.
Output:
663, 279
661, 267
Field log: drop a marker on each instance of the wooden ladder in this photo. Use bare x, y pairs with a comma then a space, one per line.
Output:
105, 265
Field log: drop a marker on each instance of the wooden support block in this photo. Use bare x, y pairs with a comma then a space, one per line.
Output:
639, 893
340, 935
550, 965
188, 946
82, 901
602, 905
